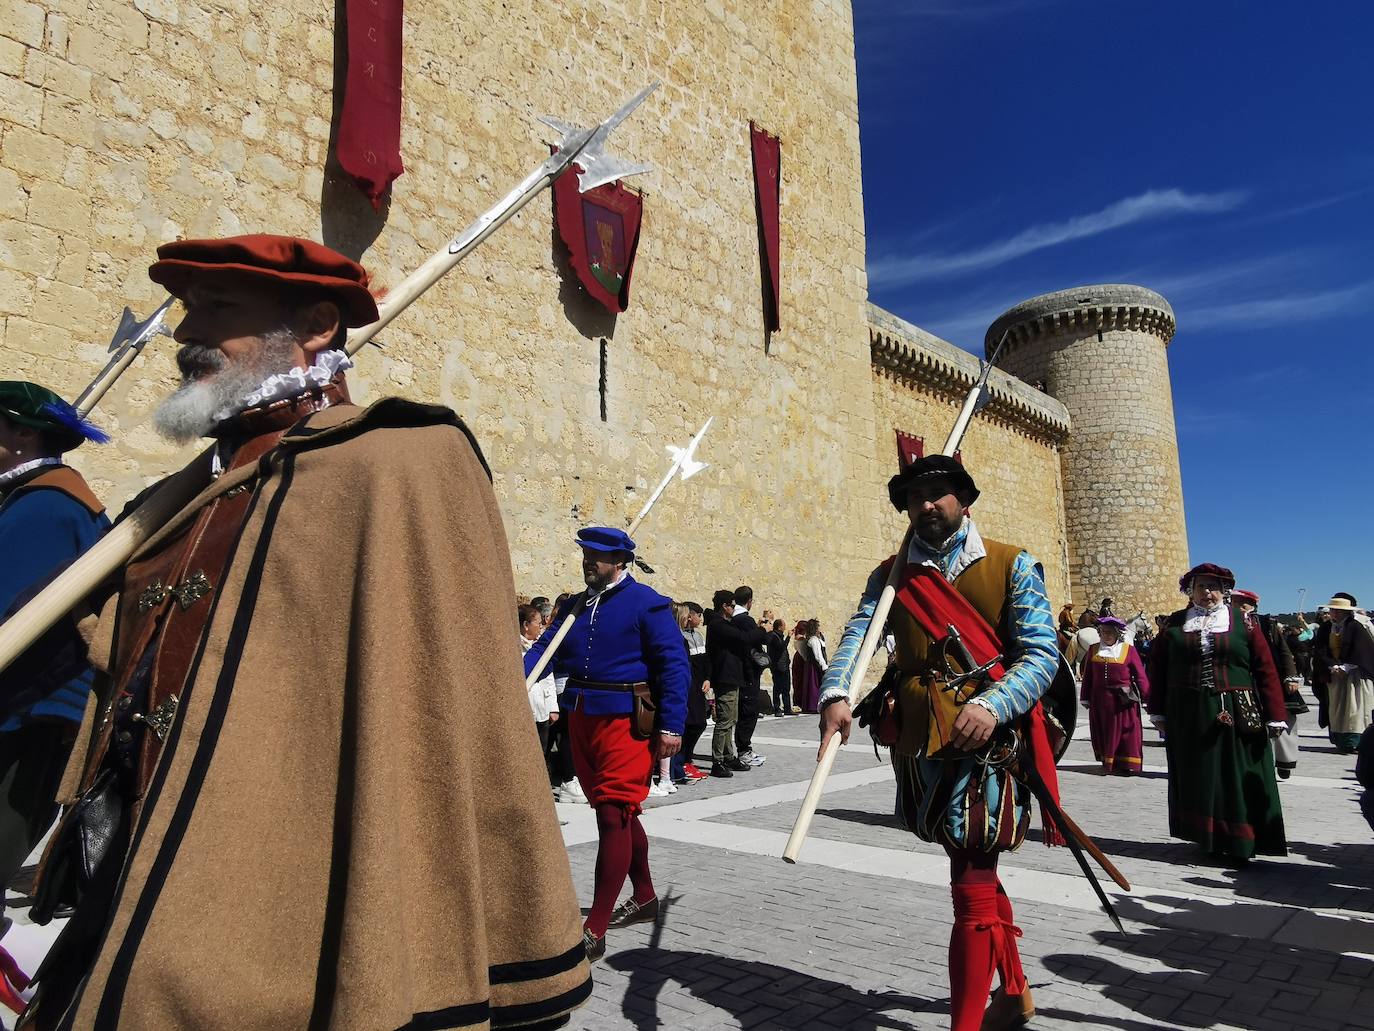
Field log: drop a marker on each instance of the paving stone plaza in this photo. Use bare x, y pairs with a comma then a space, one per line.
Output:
855, 935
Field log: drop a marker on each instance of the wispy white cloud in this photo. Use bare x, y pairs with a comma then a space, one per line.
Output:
1281, 309
1148, 206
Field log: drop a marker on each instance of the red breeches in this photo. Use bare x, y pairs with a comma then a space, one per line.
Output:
611, 765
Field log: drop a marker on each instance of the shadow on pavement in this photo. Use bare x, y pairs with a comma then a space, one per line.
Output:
761, 996
1223, 970
1094, 770
1175, 853
862, 816
1097, 1020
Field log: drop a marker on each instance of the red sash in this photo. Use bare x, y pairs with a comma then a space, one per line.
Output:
935, 604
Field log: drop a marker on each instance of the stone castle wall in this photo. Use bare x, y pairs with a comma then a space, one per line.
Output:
123, 125
126, 124
1011, 448
1101, 350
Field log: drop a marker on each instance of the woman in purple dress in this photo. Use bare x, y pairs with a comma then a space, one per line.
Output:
808, 665
1114, 685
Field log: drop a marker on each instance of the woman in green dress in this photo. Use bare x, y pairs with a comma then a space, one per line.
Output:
1216, 698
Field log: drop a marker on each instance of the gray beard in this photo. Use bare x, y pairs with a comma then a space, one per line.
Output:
194, 409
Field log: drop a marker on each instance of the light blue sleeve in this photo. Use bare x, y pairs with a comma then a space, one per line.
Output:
1306, 634
1032, 649
836, 681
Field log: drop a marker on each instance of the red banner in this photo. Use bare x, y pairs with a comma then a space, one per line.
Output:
369, 140
601, 231
909, 449
768, 197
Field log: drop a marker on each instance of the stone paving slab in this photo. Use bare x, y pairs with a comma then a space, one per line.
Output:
855, 935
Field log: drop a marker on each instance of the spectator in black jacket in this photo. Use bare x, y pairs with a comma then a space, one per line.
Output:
727, 650
780, 664
748, 717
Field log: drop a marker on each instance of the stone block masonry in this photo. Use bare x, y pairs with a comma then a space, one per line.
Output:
123, 125
1101, 351
127, 124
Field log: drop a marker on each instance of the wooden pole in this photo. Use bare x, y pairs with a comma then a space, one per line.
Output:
872, 636
972, 403
93, 568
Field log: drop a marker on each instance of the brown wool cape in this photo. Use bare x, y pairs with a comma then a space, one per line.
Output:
350, 825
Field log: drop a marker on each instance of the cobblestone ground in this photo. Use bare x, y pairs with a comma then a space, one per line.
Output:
854, 936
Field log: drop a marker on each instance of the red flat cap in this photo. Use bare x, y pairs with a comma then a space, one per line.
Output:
1227, 578
279, 260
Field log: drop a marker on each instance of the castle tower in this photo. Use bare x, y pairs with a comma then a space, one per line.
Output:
1101, 351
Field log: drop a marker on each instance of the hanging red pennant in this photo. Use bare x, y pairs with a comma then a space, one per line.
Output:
767, 198
909, 448
369, 140
601, 231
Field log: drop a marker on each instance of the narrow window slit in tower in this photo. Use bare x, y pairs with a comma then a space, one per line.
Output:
601, 386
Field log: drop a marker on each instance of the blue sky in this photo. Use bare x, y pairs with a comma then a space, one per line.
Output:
1220, 153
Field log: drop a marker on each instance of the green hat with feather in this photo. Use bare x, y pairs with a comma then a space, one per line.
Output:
28, 404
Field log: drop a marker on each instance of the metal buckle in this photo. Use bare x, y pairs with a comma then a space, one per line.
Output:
192, 589
153, 596
160, 720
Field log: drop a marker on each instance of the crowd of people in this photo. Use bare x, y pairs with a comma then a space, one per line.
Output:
729, 654
242, 709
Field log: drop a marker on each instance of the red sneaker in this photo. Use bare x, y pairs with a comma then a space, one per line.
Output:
692, 772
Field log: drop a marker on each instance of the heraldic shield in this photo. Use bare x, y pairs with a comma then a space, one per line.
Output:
601, 231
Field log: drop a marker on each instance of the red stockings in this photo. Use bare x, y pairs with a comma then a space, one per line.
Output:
623, 849
983, 938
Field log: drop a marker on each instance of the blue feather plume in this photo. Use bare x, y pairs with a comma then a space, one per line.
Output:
70, 418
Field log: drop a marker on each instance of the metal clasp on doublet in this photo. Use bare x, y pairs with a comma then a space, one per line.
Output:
153, 595
192, 589
160, 720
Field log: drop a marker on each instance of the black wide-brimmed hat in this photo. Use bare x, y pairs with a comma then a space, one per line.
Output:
927, 468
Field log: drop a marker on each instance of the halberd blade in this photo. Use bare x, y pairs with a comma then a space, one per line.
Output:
586, 147
123, 331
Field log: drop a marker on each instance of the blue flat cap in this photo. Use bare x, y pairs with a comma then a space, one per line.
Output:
605, 538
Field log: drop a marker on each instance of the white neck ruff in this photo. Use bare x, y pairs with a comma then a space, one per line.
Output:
27, 467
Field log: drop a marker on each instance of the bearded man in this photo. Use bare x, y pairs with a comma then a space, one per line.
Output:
944, 793
307, 835
626, 703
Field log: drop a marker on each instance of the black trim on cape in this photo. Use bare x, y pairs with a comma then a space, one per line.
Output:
107, 1016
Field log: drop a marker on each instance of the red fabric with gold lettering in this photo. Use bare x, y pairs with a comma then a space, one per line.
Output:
369, 141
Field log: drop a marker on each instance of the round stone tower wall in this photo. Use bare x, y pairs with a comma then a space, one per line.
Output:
1101, 351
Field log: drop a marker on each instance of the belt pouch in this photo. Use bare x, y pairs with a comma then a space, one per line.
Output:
643, 715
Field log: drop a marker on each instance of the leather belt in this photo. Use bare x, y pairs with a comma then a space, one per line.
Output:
596, 685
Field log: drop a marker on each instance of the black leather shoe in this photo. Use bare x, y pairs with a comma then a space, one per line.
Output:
631, 912
717, 770
737, 764
596, 947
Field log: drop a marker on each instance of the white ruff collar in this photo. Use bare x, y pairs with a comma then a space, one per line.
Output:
27, 467
290, 383
1111, 653
1212, 621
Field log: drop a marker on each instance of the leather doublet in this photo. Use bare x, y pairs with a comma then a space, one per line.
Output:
168, 597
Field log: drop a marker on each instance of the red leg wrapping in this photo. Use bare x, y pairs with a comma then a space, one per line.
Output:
612, 863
